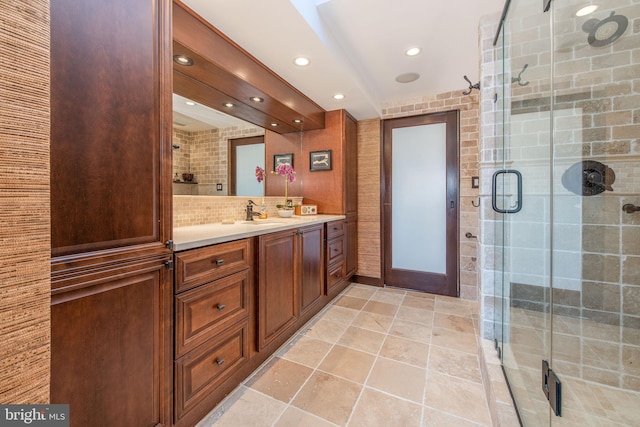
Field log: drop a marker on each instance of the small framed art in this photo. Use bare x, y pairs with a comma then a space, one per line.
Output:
320, 160
282, 159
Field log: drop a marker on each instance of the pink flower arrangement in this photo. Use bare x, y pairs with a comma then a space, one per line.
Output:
289, 176
259, 174
286, 171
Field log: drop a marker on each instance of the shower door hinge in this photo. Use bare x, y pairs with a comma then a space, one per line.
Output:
552, 388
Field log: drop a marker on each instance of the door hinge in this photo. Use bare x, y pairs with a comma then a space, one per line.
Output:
169, 264
552, 388
169, 244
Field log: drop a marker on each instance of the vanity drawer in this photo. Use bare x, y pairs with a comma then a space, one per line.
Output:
207, 310
335, 229
201, 371
199, 266
335, 275
335, 250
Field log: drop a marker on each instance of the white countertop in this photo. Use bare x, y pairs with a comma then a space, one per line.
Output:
195, 236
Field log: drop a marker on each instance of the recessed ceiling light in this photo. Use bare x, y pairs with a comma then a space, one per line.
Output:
298, 121
274, 125
190, 103
257, 99
301, 61
183, 60
413, 51
228, 104
407, 78
587, 10
338, 96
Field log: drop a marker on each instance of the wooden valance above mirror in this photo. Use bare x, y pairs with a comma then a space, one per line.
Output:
213, 80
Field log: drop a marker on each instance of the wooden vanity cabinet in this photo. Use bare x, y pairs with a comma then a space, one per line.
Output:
312, 270
277, 293
291, 281
213, 324
336, 261
351, 252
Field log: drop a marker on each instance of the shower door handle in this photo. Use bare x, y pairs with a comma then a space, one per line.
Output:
494, 194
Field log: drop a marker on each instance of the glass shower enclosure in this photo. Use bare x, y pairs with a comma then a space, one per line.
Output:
561, 209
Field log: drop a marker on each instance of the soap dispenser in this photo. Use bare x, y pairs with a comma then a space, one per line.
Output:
263, 209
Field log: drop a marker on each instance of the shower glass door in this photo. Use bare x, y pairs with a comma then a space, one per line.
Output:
595, 333
527, 205
568, 262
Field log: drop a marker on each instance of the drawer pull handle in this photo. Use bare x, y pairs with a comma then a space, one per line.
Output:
219, 261
219, 361
334, 249
336, 228
221, 307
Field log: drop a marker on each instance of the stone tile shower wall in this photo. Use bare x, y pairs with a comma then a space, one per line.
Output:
469, 134
206, 155
596, 111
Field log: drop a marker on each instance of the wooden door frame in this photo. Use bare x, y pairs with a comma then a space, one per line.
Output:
452, 120
233, 144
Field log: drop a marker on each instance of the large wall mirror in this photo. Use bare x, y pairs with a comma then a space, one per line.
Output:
214, 154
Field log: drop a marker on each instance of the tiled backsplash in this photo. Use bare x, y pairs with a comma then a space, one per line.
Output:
197, 210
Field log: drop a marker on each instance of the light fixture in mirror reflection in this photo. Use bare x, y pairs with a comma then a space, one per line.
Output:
201, 147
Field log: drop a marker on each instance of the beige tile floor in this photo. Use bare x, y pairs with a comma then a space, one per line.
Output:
373, 357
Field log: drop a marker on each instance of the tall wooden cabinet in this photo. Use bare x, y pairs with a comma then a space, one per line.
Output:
110, 211
336, 191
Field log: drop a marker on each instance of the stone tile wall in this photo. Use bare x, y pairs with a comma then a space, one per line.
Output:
197, 210
206, 155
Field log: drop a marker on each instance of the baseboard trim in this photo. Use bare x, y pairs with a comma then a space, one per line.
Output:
365, 280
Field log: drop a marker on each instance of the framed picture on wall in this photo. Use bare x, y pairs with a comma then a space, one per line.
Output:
282, 159
320, 160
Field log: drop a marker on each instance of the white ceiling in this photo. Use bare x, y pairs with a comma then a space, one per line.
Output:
356, 47
198, 117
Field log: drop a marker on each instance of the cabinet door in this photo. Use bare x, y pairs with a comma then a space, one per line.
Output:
111, 124
277, 296
311, 266
108, 360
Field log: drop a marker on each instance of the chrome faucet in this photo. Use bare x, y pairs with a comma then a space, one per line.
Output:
250, 212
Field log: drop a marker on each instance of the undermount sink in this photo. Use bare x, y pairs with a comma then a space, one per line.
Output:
261, 222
